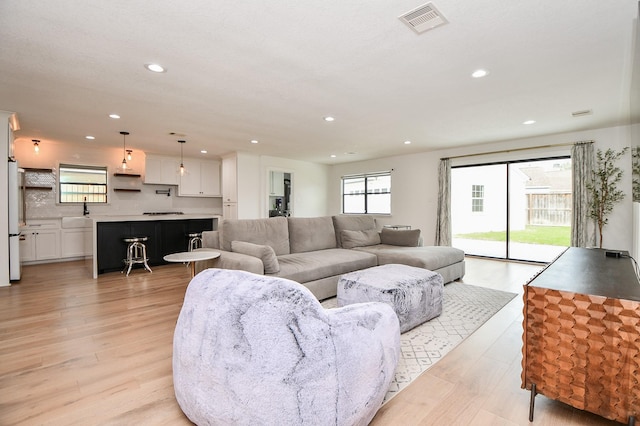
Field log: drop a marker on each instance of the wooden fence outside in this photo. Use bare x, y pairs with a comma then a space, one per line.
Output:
549, 209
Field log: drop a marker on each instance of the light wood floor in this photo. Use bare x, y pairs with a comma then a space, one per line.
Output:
79, 351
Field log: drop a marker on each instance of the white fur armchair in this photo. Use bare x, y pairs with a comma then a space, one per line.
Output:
252, 349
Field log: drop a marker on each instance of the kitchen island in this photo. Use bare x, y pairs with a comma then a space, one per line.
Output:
167, 233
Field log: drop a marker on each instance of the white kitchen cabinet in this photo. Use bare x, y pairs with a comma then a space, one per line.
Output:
161, 170
76, 242
40, 241
230, 179
201, 178
229, 210
276, 184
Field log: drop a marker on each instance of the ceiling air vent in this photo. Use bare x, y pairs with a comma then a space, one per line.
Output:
581, 113
423, 18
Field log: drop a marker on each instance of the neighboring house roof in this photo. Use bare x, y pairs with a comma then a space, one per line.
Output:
553, 180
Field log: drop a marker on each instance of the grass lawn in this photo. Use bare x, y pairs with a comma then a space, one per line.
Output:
548, 235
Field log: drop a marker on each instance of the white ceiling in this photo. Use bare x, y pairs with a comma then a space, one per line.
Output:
271, 70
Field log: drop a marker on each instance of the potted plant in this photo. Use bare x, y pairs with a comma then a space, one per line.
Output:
603, 187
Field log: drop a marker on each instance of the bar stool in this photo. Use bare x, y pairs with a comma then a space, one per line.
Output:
136, 253
195, 240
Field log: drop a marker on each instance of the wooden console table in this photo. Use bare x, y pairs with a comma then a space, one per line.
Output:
581, 340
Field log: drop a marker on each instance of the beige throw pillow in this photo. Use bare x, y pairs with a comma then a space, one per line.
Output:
265, 253
351, 239
400, 237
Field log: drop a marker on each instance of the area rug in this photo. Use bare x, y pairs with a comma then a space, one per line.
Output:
465, 308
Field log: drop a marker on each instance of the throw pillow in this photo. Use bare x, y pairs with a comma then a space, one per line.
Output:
351, 239
264, 253
400, 237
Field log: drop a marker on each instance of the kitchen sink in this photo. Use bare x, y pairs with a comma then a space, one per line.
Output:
76, 222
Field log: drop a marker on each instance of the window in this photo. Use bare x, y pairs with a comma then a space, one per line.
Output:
82, 183
518, 209
477, 198
367, 193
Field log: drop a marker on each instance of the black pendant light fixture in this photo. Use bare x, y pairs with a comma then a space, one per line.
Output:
124, 150
181, 142
36, 145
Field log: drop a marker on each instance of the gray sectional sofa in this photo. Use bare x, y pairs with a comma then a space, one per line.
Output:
317, 251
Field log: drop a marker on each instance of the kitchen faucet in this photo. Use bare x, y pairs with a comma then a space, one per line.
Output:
84, 206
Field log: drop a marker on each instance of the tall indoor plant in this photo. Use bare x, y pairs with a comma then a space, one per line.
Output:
603, 187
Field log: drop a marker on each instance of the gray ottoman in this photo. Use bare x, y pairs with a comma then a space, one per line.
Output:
415, 294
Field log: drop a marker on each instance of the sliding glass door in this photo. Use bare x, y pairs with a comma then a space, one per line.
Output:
512, 210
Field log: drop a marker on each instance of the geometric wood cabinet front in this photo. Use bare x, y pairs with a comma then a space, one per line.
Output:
583, 350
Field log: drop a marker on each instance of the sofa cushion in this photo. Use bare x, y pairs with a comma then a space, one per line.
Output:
311, 233
273, 232
400, 237
430, 257
264, 253
351, 239
304, 267
211, 239
358, 222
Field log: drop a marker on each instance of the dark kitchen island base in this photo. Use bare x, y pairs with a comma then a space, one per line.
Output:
166, 236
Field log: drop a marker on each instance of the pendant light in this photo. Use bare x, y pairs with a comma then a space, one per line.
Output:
129, 152
181, 142
124, 150
36, 145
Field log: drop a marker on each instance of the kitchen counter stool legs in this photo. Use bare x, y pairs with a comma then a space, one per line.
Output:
136, 253
195, 240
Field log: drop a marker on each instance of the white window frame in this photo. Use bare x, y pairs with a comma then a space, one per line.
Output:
366, 192
93, 190
477, 198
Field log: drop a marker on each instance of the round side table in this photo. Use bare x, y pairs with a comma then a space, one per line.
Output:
191, 257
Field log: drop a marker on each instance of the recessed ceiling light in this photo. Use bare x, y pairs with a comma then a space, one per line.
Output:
529, 122
329, 118
90, 137
155, 68
253, 141
114, 116
333, 156
203, 151
407, 142
479, 73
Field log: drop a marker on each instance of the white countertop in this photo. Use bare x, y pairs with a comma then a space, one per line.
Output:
150, 217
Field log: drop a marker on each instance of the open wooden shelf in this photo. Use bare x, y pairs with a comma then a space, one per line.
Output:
126, 189
133, 175
36, 170
41, 188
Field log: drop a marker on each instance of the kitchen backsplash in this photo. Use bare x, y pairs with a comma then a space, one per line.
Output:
42, 204
41, 198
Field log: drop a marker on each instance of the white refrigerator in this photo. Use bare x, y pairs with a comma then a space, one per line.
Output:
16, 218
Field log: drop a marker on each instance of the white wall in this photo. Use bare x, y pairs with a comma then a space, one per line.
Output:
249, 185
415, 178
308, 186
414, 189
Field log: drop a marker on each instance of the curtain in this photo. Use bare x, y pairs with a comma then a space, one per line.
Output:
443, 226
582, 226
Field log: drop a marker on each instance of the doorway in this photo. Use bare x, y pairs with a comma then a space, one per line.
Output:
279, 193
519, 210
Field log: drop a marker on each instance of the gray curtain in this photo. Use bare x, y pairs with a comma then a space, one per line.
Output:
582, 226
443, 227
